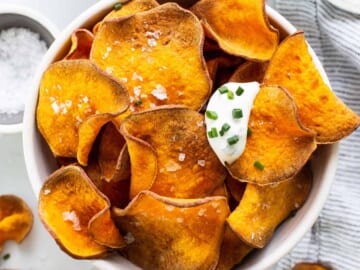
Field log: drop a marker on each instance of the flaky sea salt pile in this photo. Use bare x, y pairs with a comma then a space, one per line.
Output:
21, 51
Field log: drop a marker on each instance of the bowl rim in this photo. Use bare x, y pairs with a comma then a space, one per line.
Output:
46, 24
30, 132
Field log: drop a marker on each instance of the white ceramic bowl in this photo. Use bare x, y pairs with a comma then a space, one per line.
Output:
40, 162
19, 16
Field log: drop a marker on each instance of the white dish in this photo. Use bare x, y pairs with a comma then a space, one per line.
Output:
19, 16
40, 163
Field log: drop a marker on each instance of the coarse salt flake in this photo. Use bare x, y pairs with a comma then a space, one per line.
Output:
201, 163
20, 53
159, 92
73, 218
182, 157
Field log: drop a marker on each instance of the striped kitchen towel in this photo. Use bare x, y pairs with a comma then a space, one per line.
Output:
334, 34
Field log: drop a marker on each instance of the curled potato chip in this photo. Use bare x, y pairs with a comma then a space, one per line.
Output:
240, 27
113, 156
309, 266
233, 250
170, 154
263, 208
279, 146
70, 92
161, 231
319, 108
16, 219
249, 72
81, 41
158, 56
72, 209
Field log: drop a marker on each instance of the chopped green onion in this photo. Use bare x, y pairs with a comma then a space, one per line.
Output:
230, 95
239, 91
118, 6
225, 127
138, 102
233, 140
237, 113
223, 90
258, 165
249, 132
211, 115
6, 257
213, 133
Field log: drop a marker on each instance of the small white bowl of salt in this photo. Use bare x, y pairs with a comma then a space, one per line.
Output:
25, 36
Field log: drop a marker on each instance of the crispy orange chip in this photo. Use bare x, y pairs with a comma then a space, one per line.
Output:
16, 219
233, 250
240, 27
310, 266
279, 146
70, 92
113, 157
249, 72
158, 56
170, 154
72, 209
263, 208
161, 231
81, 41
319, 108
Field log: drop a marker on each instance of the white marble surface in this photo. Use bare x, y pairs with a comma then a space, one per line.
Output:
38, 251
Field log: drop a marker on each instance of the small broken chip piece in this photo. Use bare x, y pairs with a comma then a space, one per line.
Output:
16, 219
161, 231
77, 214
81, 42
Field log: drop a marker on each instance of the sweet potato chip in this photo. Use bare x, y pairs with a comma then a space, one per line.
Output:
70, 92
16, 219
263, 208
310, 266
279, 146
87, 133
158, 56
240, 27
81, 41
113, 156
161, 231
170, 154
249, 72
72, 208
319, 108
233, 250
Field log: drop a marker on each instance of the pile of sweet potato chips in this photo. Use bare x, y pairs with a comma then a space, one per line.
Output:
123, 113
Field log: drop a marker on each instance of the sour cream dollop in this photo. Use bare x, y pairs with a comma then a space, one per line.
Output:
227, 117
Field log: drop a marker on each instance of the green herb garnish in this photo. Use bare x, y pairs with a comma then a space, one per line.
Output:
249, 132
118, 6
239, 91
138, 102
258, 165
6, 257
237, 113
225, 127
233, 140
223, 90
230, 95
211, 115
213, 133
